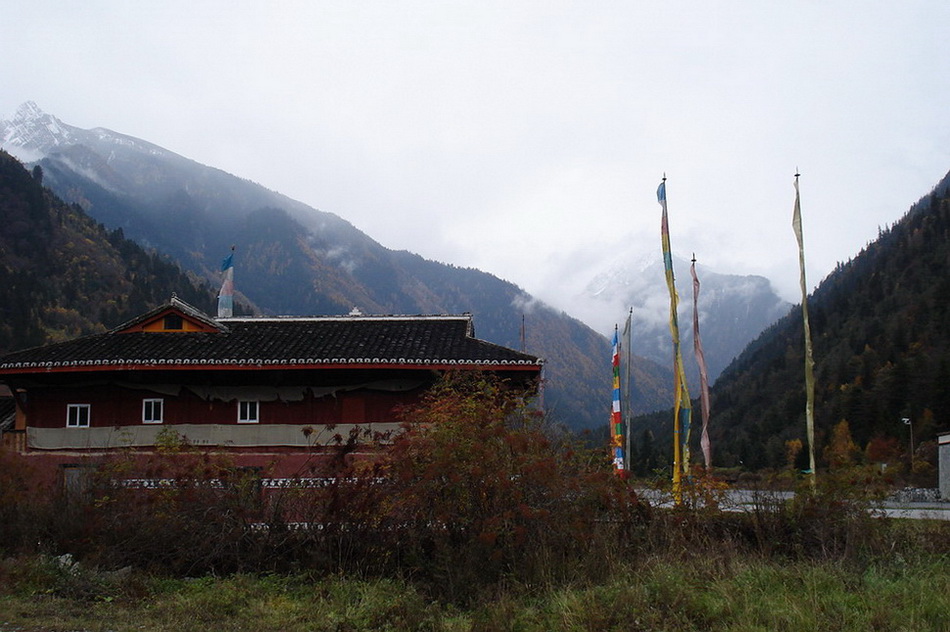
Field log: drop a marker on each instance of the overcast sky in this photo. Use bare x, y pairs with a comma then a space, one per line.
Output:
527, 139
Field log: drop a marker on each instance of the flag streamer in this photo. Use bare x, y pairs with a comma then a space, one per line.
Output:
682, 408
626, 385
703, 376
226, 295
809, 361
616, 420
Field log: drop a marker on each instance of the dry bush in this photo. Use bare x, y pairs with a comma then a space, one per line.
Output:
474, 491
177, 511
27, 505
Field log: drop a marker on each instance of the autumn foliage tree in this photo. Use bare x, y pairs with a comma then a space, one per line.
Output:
476, 489
881, 449
793, 447
841, 451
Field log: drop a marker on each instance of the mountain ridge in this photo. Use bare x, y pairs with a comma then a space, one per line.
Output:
881, 352
63, 275
294, 259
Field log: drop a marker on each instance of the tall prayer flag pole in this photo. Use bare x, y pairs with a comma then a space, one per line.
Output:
809, 362
616, 421
626, 384
681, 402
703, 377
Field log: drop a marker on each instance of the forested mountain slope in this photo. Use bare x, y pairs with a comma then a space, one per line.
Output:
63, 275
881, 331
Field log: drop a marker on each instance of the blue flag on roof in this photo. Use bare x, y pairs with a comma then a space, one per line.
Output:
226, 295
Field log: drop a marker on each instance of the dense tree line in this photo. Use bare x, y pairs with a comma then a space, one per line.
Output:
881, 349
63, 275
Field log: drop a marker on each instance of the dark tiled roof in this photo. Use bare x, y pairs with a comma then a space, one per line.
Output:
347, 340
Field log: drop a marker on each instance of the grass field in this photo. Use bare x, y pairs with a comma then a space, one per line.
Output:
718, 591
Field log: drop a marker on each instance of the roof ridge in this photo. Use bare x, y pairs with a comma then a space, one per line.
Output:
345, 318
173, 303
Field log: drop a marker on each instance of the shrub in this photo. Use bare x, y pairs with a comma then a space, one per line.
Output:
26, 507
476, 489
176, 511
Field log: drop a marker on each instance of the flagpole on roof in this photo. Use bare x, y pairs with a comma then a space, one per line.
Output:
226, 295
524, 335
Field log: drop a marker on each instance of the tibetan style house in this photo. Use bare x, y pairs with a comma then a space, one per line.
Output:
265, 390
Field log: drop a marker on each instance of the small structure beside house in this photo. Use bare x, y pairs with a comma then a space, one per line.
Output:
268, 391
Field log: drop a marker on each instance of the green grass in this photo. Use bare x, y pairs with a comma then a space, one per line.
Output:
819, 562
745, 594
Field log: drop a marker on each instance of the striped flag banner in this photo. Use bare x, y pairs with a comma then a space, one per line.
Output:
616, 420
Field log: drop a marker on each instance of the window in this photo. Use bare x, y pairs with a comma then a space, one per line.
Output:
247, 412
77, 416
152, 411
173, 322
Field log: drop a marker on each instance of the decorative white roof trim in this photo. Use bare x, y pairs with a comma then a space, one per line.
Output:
261, 362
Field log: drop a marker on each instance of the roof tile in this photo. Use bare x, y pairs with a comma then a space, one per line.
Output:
284, 341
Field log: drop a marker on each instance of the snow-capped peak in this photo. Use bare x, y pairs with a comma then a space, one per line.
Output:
33, 130
29, 110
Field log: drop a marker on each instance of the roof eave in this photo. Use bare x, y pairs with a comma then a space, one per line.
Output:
268, 365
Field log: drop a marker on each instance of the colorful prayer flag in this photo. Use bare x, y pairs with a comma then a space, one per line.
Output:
616, 421
682, 406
